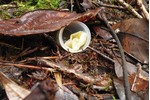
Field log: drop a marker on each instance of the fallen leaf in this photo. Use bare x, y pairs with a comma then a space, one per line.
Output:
50, 90
130, 69
43, 91
65, 94
134, 37
42, 21
102, 33
120, 90
140, 84
13, 91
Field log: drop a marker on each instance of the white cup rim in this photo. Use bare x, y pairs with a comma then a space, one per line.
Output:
85, 29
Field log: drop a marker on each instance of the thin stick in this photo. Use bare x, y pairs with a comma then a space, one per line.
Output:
58, 66
142, 7
125, 74
6, 6
109, 6
106, 57
130, 8
27, 66
71, 1
9, 46
35, 58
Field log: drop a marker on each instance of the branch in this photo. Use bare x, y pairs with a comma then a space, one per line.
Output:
27, 66
108, 6
143, 9
66, 70
130, 8
125, 74
104, 56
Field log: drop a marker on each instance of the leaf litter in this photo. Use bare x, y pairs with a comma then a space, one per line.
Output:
52, 73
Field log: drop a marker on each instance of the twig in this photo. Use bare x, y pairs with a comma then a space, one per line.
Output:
106, 57
25, 52
9, 46
71, 2
83, 77
109, 6
35, 58
135, 79
125, 74
140, 72
6, 6
27, 66
142, 7
130, 8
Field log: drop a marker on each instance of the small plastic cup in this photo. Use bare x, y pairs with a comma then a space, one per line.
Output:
64, 35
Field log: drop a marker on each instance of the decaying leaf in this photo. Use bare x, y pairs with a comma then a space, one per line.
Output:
42, 21
130, 69
65, 94
49, 90
13, 91
102, 33
140, 84
134, 37
120, 90
138, 78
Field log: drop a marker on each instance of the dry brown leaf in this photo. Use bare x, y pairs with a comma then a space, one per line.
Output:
63, 92
134, 37
13, 90
130, 69
120, 90
102, 33
43, 91
49, 90
42, 21
140, 84
58, 78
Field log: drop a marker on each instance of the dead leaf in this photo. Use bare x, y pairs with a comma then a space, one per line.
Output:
42, 21
130, 69
102, 33
43, 91
134, 38
140, 84
120, 90
49, 90
63, 92
13, 91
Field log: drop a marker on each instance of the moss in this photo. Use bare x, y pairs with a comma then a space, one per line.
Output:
30, 5
4, 14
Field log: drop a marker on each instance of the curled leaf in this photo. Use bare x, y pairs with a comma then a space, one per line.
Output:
42, 21
13, 91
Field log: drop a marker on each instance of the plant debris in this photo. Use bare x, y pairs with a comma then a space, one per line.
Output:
31, 56
42, 21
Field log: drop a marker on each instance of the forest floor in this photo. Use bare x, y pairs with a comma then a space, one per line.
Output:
33, 65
